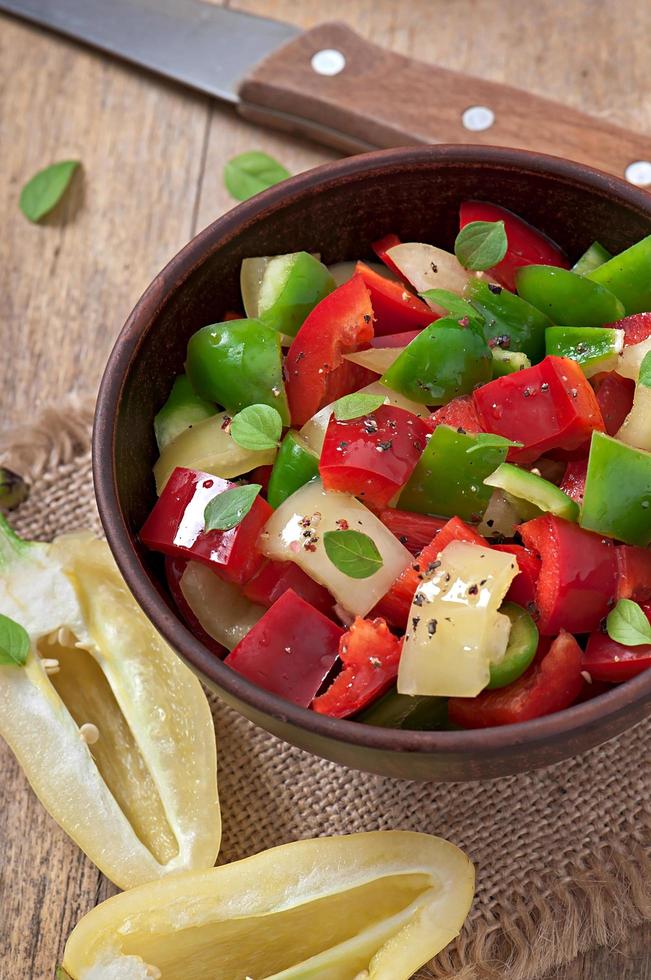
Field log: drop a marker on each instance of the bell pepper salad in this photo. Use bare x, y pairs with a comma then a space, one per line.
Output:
414, 489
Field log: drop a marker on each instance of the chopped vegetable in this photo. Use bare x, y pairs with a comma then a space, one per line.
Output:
522, 647
183, 408
219, 606
615, 398
628, 276
372, 457
413, 530
533, 489
594, 348
566, 297
378, 904
526, 244
295, 465
607, 660
427, 267
283, 289
617, 498
295, 533
523, 587
208, 446
238, 363
275, 577
395, 308
577, 579
176, 526
455, 631
449, 479
633, 573
113, 732
406, 711
370, 654
592, 258
508, 362
460, 413
315, 368
290, 651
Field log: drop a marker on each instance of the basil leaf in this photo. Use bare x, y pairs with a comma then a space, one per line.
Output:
14, 642
627, 624
645, 371
355, 405
257, 427
451, 302
490, 440
228, 509
353, 553
45, 189
249, 173
481, 245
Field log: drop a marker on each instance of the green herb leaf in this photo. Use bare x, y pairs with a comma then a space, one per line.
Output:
489, 440
228, 509
355, 405
257, 427
13, 489
353, 553
628, 625
481, 245
645, 371
249, 173
451, 302
46, 188
14, 642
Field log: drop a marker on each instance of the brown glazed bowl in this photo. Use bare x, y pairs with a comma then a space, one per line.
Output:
337, 210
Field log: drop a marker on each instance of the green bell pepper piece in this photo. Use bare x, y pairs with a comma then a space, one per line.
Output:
533, 489
295, 465
628, 276
617, 499
448, 479
568, 298
283, 289
183, 408
238, 363
523, 643
508, 362
591, 259
508, 316
418, 713
594, 348
446, 359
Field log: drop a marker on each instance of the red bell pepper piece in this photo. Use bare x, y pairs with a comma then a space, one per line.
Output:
412, 530
523, 587
261, 475
315, 370
636, 328
633, 573
381, 247
552, 683
526, 244
548, 406
232, 315
615, 398
395, 308
395, 339
578, 574
573, 482
176, 527
275, 577
290, 651
370, 655
395, 605
372, 457
174, 568
460, 413
606, 660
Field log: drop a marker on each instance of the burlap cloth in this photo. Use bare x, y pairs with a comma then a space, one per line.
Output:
562, 854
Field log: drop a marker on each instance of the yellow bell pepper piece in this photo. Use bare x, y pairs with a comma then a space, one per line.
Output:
113, 732
375, 906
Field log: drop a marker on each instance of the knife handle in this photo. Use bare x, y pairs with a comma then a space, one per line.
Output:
332, 85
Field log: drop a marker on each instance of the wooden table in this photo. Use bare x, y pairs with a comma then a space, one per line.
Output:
152, 157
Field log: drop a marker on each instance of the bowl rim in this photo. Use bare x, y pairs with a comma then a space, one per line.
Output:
479, 742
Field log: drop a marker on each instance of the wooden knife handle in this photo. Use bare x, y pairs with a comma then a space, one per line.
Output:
381, 99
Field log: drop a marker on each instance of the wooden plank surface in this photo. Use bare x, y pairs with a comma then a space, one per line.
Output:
152, 162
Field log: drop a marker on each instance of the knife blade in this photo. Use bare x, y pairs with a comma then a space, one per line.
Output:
202, 45
332, 85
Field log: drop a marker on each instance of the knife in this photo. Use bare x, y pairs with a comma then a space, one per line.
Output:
332, 85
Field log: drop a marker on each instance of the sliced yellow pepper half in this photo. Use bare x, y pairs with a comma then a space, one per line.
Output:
373, 906
113, 732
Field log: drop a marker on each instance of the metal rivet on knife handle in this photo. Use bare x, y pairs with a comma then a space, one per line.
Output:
478, 117
639, 173
329, 61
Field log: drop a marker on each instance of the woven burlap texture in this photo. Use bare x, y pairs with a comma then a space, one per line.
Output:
562, 855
